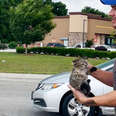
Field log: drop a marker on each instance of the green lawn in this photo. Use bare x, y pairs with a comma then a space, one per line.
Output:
37, 64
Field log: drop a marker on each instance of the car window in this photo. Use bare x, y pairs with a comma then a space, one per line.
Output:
106, 64
110, 69
49, 44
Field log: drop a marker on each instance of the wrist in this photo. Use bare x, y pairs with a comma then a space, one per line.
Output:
93, 69
90, 102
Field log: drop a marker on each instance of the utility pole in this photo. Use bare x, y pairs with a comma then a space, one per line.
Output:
84, 32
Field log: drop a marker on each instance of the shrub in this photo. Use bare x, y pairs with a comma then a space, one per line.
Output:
12, 45
89, 43
20, 50
68, 52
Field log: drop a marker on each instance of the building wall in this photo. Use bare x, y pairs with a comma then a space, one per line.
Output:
60, 31
76, 23
77, 37
100, 27
78, 29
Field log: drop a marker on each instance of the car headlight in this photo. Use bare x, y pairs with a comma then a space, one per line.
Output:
48, 86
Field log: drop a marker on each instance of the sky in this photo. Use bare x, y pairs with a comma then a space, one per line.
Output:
78, 5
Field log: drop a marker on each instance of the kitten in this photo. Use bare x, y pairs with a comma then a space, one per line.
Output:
79, 78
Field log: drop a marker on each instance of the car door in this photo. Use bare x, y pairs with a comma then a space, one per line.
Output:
107, 89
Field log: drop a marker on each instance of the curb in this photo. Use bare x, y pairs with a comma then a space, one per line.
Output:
23, 76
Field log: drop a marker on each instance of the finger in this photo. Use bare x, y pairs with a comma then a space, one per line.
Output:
89, 65
74, 90
71, 88
76, 93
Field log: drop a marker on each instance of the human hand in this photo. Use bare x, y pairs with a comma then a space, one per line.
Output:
78, 95
89, 66
81, 98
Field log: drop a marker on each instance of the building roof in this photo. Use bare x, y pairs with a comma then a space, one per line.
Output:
62, 16
90, 16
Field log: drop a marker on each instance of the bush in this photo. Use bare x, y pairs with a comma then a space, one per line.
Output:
88, 43
3, 46
68, 52
12, 45
20, 50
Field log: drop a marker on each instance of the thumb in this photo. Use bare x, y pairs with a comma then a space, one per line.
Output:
71, 88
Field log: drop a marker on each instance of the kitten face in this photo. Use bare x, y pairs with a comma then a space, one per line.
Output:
80, 62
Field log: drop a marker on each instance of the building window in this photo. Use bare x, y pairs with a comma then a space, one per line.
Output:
108, 40
65, 40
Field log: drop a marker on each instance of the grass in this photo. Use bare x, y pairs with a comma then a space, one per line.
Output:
38, 64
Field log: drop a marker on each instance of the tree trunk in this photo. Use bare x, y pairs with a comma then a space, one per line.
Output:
26, 49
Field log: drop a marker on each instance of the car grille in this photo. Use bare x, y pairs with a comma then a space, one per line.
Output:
39, 102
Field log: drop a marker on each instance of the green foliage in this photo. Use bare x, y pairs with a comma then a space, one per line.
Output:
59, 9
14, 3
31, 21
12, 45
68, 52
113, 35
94, 11
5, 33
4, 19
20, 50
89, 43
18, 16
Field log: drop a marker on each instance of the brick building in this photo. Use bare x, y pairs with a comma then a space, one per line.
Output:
79, 27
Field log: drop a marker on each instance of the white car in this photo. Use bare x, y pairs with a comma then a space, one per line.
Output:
53, 95
80, 46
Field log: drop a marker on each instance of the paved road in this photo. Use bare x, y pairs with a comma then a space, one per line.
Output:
15, 97
15, 91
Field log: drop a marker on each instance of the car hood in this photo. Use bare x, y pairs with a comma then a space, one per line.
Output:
58, 78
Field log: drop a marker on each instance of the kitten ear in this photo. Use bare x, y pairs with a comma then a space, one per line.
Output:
76, 59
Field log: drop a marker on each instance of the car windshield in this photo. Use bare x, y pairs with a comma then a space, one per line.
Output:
100, 66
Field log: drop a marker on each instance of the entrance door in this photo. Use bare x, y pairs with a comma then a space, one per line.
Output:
108, 41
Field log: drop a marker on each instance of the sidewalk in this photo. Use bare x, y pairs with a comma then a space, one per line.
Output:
8, 50
23, 76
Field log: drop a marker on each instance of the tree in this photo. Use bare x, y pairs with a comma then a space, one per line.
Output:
14, 2
94, 11
31, 21
59, 9
89, 43
5, 34
48, 2
4, 20
113, 34
113, 37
